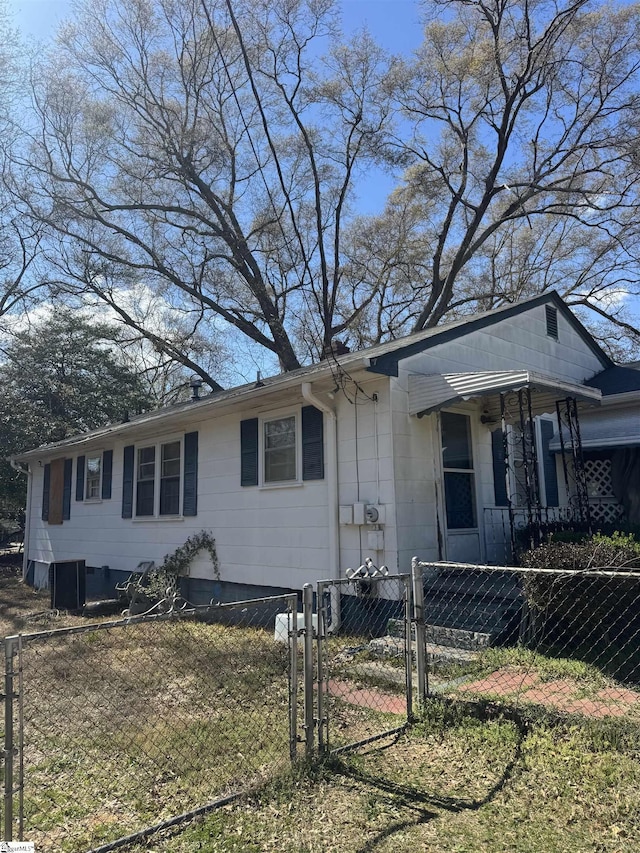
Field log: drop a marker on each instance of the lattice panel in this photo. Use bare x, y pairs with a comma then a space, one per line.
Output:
605, 512
599, 481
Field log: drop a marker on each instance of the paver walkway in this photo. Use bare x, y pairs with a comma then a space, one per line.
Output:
562, 694
368, 697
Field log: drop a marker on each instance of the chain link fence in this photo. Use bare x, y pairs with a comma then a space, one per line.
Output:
364, 659
114, 728
564, 641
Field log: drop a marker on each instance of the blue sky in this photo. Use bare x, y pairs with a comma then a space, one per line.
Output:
394, 22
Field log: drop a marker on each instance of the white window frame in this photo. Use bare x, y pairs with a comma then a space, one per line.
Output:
98, 454
157, 477
263, 421
473, 471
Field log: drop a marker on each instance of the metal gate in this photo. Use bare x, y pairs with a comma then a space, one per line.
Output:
129, 726
364, 659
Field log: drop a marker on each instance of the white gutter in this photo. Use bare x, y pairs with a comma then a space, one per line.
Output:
27, 513
332, 477
332, 499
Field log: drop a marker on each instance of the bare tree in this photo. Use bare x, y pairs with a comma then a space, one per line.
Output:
19, 238
210, 149
519, 163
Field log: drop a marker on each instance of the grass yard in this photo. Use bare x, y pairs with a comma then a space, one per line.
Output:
127, 726
452, 784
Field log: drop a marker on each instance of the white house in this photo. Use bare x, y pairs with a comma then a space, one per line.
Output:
430, 445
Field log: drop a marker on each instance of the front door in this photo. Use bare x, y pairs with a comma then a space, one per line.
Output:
461, 511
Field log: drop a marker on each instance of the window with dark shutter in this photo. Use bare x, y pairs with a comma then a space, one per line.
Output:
551, 314
190, 485
80, 478
312, 443
499, 469
249, 452
127, 481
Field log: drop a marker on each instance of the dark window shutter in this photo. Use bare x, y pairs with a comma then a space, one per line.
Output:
249, 452
190, 485
312, 443
547, 430
127, 481
66, 489
80, 478
499, 469
46, 486
107, 468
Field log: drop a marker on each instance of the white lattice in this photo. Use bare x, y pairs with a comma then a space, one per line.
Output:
605, 512
599, 481
603, 506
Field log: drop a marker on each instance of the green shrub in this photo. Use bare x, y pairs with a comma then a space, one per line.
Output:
579, 609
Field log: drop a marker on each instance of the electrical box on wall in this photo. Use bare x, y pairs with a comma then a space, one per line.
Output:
358, 513
366, 514
374, 514
375, 540
345, 514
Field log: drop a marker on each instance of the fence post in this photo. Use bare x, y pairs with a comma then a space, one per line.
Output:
408, 646
322, 603
9, 654
418, 621
293, 676
307, 607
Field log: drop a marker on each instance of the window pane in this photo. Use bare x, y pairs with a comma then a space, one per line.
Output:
170, 496
146, 463
171, 459
456, 441
170, 478
145, 489
460, 500
280, 450
144, 497
93, 466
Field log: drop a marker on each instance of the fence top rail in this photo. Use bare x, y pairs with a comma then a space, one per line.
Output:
173, 615
374, 579
603, 571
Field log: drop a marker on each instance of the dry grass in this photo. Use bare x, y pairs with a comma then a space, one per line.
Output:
126, 725
452, 784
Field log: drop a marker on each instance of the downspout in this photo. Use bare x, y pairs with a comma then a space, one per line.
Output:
27, 514
332, 492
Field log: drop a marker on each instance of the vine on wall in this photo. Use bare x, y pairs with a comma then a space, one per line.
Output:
162, 580
178, 563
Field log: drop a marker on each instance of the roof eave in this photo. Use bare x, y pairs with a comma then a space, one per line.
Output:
187, 412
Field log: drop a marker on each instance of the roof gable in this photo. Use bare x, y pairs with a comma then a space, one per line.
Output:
387, 361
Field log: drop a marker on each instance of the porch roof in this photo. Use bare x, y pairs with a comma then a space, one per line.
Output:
606, 429
430, 393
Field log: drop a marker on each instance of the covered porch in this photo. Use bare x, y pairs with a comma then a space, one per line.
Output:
536, 487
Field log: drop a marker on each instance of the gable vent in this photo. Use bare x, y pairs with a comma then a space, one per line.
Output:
552, 321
